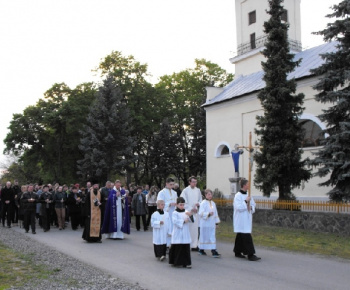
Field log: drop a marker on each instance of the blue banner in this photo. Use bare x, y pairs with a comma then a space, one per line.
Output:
235, 158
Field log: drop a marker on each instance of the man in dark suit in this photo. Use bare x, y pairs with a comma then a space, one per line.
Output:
7, 203
139, 208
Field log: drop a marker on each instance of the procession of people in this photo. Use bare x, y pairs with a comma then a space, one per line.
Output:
181, 223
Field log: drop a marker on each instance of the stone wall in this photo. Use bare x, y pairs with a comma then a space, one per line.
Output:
313, 221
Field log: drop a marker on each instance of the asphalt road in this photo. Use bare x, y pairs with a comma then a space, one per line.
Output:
133, 260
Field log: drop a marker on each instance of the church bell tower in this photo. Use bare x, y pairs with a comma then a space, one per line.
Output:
250, 18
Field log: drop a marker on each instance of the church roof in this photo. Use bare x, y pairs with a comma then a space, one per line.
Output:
243, 85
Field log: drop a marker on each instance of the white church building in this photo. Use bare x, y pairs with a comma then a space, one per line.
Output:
231, 111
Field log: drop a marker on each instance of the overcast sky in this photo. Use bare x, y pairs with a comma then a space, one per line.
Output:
46, 42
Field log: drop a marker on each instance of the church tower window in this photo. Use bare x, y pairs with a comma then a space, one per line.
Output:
284, 16
252, 41
252, 17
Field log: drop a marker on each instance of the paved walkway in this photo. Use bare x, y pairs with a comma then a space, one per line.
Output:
133, 260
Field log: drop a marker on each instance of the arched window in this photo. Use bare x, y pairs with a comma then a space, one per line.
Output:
225, 151
313, 133
222, 150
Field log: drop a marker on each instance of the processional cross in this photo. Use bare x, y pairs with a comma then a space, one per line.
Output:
250, 148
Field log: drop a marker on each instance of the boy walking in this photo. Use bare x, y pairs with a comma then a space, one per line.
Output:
208, 222
180, 252
160, 222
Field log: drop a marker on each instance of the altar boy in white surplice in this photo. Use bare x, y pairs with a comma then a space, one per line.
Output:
209, 220
193, 198
180, 251
160, 223
169, 196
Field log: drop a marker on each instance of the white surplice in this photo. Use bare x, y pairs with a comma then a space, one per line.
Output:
168, 196
207, 224
160, 231
181, 230
242, 218
192, 196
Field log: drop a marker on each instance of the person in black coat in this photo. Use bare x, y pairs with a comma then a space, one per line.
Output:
104, 191
139, 208
17, 190
20, 206
46, 200
29, 200
7, 203
74, 207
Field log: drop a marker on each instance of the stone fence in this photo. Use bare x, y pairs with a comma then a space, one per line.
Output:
313, 221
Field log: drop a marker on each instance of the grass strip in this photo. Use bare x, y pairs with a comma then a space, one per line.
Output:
297, 240
17, 269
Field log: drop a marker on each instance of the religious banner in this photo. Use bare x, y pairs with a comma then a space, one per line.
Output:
235, 158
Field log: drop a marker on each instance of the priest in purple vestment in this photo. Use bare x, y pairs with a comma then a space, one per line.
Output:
116, 219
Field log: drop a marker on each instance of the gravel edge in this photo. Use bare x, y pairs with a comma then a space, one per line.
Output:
67, 272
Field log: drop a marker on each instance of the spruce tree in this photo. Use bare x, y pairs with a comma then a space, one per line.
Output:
165, 154
279, 165
106, 142
334, 90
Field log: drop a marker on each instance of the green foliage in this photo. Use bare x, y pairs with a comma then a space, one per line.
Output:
334, 90
46, 136
279, 163
184, 93
165, 154
145, 106
106, 143
177, 98
14, 171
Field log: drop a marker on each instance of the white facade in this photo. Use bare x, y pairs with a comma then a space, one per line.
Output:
230, 119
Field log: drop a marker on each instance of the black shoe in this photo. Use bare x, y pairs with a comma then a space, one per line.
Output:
9, 227
34, 233
195, 249
202, 253
215, 254
239, 256
27, 232
253, 258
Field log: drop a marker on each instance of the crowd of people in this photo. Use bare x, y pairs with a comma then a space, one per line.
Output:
182, 221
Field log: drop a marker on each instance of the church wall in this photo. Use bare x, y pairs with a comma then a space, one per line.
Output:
230, 123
